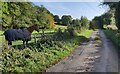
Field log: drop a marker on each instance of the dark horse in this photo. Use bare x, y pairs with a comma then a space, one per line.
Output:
20, 34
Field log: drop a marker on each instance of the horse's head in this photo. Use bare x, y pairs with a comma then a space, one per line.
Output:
36, 27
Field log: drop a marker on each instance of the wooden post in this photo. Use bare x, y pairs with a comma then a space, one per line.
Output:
35, 38
42, 35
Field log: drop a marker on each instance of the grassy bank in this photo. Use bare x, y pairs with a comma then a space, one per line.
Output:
114, 36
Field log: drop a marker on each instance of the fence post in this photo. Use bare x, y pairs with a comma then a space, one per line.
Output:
35, 38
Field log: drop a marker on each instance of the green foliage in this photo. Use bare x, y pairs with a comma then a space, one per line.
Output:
76, 23
98, 22
58, 35
68, 33
104, 19
91, 25
66, 20
4, 8
84, 22
57, 19
25, 14
115, 6
71, 31
79, 24
107, 18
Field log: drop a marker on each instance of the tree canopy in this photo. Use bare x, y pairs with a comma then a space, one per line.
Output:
115, 6
66, 19
24, 14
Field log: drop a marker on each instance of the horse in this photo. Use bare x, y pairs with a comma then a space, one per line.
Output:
20, 34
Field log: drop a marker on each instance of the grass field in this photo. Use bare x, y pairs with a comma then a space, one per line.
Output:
47, 31
19, 42
86, 33
59, 26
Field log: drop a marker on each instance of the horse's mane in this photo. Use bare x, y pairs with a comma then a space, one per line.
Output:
30, 29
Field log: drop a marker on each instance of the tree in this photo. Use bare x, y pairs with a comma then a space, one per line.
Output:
57, 19
92, 25
25, 14
107, 18
6, 20
98, 20
116, 6
43, 18
84, 22
14, 11
66, 20
49, 21
76, 23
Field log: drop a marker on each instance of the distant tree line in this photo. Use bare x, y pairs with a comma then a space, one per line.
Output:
24, 14
67, 20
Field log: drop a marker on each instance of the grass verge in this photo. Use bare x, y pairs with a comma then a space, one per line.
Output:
35, 59
114, 36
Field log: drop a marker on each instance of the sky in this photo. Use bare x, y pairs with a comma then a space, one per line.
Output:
75, 9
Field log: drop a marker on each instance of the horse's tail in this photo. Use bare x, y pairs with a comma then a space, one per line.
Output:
6, 37
5, 33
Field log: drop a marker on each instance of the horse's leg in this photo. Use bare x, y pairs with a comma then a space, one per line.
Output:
9, 42
24, 44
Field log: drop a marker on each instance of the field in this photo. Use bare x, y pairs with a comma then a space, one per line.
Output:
46, 31
36, 59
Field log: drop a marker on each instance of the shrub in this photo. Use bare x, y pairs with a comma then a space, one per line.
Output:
71, 31
58, 35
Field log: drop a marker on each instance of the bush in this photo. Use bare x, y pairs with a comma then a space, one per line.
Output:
58, 35
71, 31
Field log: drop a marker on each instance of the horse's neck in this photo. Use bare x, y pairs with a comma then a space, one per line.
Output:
30, 29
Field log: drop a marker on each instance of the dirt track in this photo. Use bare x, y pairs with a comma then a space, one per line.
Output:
91, 56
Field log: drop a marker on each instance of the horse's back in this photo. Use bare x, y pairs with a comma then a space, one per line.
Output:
23, 34
17, 34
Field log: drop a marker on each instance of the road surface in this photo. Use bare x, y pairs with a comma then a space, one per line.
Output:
90, 56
